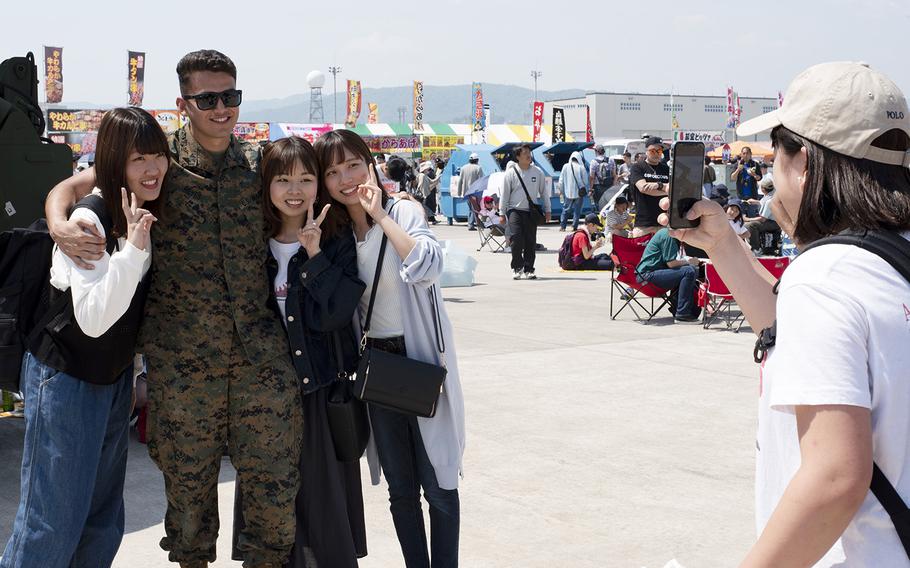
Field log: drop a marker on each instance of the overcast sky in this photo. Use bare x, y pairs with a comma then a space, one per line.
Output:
693, 47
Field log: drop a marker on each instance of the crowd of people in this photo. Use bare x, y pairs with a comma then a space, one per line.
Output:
248, 279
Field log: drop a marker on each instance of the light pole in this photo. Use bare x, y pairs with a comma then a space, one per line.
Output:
335, 71
535, 74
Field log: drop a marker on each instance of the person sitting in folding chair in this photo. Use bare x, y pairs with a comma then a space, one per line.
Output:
663, 265
491, 218
489, 227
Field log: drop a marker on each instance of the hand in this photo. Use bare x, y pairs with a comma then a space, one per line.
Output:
547, 216
370, 195
80, 240
713, 228
693, 261
138, 221
599, 243
502, 219
310, 234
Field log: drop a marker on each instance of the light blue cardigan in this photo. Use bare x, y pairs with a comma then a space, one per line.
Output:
444, 434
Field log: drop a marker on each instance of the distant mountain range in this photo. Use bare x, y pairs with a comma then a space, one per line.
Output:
450, 104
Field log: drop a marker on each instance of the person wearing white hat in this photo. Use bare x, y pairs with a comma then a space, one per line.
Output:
834, 392
470, 173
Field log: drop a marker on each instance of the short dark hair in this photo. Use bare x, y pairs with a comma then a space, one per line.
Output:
518, 149
123, 131
620, 201
203, 60
744, 148
396, 168
848, 193
330, 149
627, 154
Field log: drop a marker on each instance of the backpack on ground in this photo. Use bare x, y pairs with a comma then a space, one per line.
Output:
565, 258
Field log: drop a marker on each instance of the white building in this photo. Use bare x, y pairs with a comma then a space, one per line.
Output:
629, 115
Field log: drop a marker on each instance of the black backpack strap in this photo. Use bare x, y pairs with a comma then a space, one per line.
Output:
891, 501
95, 204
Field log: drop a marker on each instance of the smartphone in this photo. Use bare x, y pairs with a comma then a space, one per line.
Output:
686, 180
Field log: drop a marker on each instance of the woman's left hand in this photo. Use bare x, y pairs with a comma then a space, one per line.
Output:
310, 234
370, 195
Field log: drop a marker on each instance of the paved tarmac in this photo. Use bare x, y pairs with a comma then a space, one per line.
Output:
590, 442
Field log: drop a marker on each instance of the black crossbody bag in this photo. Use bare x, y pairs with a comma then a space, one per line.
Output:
894, 249
347, 414
537, 216
395, 381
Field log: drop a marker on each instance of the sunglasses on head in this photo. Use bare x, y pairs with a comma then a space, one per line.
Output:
208, 101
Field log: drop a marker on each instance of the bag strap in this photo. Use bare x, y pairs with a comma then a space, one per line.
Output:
895, 250
339, 360
524, 187
376, 275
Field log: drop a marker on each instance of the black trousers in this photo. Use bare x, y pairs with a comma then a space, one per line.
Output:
524, 240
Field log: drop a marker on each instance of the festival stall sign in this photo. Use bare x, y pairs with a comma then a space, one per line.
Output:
354, 96
53, 74
255, 132
169, 120
709, 137
309, 132
135, 77
439, 145
559, 125
393, 144
74, 120
418, 106
373, 117
81, 143
478, 114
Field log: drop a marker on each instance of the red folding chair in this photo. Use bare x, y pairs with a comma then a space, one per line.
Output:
775, 264
626, 255
720, 304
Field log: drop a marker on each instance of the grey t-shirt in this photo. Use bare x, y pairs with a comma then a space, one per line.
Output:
513, 196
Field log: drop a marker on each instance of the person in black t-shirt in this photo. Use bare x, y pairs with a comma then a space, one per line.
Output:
650, 179
747, 175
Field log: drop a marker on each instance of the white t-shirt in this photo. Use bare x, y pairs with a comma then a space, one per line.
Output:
283, 252
843, 332
100, 296
738, 226
386, 319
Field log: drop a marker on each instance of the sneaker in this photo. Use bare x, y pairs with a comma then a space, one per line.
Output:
687, 319
530, 276
516, 275
562, 229
472, 228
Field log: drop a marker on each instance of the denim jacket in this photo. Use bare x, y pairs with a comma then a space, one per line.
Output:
323, 293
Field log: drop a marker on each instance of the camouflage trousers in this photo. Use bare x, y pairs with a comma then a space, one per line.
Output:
200, 409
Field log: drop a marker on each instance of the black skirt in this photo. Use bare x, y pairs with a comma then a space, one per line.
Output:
330, 527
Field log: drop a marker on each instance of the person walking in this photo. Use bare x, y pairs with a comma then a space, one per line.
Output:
574, 184
522, 188
470, 173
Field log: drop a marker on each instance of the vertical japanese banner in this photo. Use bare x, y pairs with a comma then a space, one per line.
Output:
479, 117
731, 110
589, 132
373, 117
538, 120
353, 103
136, 77
418, 106
53, 74
737, 110
559, 125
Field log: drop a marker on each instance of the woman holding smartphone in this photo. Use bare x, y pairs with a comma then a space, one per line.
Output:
414, 453
833, 394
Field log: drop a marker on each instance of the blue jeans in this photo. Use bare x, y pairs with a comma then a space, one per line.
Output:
73, 465
407, 468
573, 205
681, 278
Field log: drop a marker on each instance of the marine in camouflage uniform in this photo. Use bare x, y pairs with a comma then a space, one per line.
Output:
219, 375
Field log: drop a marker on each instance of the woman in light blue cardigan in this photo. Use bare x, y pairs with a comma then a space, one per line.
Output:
413, 452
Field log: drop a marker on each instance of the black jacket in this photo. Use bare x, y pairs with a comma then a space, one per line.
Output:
323, 293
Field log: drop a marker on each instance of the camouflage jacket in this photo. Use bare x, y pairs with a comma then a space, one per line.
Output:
209, 275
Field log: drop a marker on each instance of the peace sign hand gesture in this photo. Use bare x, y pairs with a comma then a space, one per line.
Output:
310, 234
138, 221
370, 195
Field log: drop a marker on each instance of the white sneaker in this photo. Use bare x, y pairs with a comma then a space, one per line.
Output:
516, 274
530, 276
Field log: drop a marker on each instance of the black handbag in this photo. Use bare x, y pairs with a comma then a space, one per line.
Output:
537, 215
395, 381
348, 420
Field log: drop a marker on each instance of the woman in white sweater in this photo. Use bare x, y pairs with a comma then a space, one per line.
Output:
413, 452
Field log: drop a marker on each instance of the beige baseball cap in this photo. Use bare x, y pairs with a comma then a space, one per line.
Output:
843, 106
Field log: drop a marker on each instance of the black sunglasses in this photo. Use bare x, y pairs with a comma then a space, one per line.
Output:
208, 101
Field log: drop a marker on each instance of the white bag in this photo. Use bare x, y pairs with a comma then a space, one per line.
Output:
458, 266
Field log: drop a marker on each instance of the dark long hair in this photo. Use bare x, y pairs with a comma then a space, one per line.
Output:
330, 149
848, 193
123, 131
279, 158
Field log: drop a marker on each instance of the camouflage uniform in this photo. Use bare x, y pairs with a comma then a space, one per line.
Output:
219, 374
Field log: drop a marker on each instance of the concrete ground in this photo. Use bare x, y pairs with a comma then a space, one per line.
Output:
590, 442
